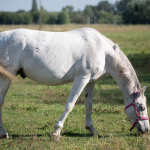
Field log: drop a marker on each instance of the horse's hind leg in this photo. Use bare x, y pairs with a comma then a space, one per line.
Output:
88, 93
78, 86
4, 85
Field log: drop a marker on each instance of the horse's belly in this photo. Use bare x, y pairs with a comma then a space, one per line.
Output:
49, 74
49, 78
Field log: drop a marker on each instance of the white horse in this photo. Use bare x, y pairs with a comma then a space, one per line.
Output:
81, 56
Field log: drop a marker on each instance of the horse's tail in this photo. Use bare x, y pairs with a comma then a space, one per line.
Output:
7, 74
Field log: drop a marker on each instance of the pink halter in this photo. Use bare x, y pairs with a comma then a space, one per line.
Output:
137, 114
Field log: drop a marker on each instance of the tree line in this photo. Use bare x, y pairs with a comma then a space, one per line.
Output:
123, 11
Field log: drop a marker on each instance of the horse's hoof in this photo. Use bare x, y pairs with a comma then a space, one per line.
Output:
55, 137
99, 136
91, 134
6, 136
92, 130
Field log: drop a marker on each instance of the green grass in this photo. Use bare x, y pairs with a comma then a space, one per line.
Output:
30, 111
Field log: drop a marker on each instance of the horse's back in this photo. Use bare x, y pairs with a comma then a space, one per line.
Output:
53, 57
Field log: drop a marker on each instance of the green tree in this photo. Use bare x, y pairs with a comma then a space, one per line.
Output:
34, 12
45, 15
122, 5
104, 12
15, 18
35, 17
79, 17
34, 6
63, 18
105, 17
52, 18
23, 18
21, 11
69, 9
137, 11
89, 11
105, 6
7, 18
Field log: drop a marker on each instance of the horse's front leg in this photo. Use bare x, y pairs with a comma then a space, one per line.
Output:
4, 85
88, 93
78, 86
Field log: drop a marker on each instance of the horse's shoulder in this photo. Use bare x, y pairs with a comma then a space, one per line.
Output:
21, 31
88, 30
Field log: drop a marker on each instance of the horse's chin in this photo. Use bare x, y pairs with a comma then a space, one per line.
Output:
143, 126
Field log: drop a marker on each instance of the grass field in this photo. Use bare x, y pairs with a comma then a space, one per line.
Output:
30, 111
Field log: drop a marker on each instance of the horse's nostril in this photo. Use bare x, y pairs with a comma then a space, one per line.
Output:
140, 131
147, 129
143, 131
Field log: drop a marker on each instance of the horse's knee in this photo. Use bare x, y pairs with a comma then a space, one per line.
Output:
69, 107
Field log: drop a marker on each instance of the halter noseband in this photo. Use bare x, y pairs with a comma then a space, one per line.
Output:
135, 108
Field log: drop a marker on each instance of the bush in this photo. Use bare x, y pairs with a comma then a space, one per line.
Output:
105, 17
51, 18
63, 18
15, 18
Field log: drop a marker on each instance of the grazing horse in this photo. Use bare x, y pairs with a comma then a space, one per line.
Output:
81, 56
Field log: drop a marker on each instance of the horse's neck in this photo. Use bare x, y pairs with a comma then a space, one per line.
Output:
120, 68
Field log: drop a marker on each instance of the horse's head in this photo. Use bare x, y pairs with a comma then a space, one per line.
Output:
137, 112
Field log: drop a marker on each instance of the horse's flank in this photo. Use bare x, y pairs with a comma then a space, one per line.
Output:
55, 57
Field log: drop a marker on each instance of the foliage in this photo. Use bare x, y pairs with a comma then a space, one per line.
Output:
137, 11
123, 11
89, 11
105, 17
52, 18
34, 6
70, 11
78, 17
105, 6
63, 18
122, 5
134, 11
35, 16
45, 16
15, 18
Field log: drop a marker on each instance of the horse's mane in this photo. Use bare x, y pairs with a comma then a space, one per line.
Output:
124, 67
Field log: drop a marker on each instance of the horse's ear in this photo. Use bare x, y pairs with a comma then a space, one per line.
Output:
143, 90
115, 47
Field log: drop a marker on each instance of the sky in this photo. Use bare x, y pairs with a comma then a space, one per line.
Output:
49, 5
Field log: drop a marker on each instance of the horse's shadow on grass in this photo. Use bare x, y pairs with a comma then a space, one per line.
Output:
70, 134
67, 134
16, 136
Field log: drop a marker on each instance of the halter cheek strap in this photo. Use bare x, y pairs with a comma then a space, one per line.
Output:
135, 108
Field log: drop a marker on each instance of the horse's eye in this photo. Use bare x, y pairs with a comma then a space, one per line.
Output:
142, 107
137, 104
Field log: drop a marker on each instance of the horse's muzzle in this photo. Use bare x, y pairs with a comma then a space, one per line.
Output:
143, 126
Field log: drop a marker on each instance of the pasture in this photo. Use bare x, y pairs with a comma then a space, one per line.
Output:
31, 110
